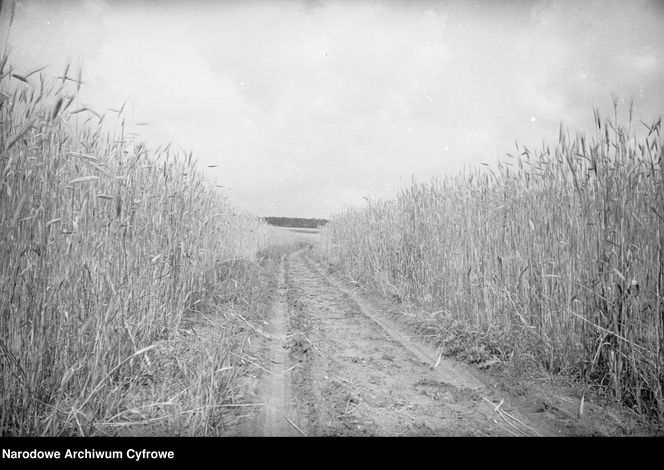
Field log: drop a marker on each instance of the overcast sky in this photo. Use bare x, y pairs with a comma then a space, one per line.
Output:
308, 106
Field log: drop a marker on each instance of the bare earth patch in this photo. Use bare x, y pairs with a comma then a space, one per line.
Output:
333, 362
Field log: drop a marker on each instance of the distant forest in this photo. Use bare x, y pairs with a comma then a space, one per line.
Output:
295, 222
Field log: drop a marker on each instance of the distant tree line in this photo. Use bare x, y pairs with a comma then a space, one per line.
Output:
295, 222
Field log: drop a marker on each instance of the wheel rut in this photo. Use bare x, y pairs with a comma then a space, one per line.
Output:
335, 365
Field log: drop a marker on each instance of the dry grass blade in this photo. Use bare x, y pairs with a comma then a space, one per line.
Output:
313, 346
245, 358
503, 415
84, 179
344, 379
20, 77
440, 357
291, 422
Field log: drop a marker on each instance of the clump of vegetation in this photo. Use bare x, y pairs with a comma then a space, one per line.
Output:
105, 246
558, 252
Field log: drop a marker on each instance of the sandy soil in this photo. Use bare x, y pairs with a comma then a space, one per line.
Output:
332, 364
333, 361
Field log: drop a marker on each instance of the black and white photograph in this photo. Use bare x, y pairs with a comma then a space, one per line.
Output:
329, 219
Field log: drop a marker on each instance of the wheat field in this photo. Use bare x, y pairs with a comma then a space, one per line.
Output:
107, 245
553, 256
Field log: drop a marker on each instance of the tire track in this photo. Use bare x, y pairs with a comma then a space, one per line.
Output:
365, 377
275, 416
450, 371
277, 394
335, 366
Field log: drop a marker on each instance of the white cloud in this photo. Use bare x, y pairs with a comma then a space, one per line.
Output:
308, 107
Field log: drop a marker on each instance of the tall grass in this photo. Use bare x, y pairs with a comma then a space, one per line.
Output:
556, 252
104, 245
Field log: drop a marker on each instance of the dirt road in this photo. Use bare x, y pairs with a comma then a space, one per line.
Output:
331, 363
